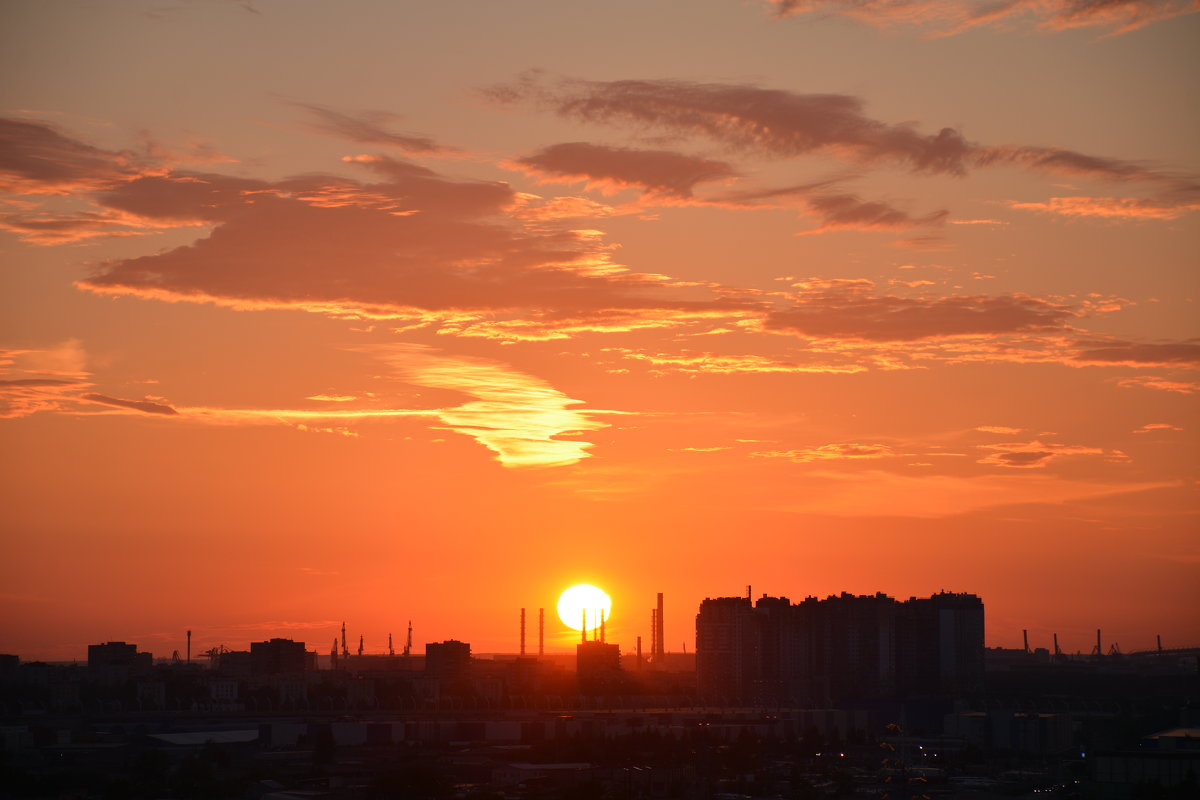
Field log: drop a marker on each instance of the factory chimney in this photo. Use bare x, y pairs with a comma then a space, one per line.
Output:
522, 631
189, 647
659, 647
541, 632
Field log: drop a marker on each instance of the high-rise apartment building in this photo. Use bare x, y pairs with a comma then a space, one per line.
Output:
821, 652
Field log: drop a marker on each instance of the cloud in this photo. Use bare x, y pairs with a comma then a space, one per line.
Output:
1036, 454
24, 396
832, 209
517, 416
545, 325
412, 245
830, 452
66, 359
1161, 384
614, 168
1175, 354
1113, 207
781, 124
367, 127
670, 178
954, 16
38, 158
145, 406
715, 364
841, 312
747, 118
998, 429
1156, 426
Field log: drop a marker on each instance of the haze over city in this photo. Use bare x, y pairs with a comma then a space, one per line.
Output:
372, 312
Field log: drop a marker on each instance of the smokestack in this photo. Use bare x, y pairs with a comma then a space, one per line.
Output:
360, 644
659, 644
522, 631
602, 625
1025, 634
639, 652
541, 632
189, 647
391, 650
653, 635
345, 651
584, 625
333, 655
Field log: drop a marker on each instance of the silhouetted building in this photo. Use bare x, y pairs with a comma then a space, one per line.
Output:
118, 654
450, 659
727, 647
941, 644
845, 647
277, 656
597, 666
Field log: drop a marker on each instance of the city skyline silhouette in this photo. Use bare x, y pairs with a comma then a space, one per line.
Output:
395, 312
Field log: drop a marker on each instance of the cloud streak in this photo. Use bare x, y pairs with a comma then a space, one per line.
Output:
775, 123
946, 17
841, 311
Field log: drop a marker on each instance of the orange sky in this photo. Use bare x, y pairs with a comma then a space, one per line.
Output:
376, 311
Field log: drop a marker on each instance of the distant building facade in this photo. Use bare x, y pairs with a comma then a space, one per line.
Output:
119, 655
448, 660
845, 647
280, 656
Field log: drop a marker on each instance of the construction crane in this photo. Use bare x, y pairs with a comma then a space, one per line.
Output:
214, 654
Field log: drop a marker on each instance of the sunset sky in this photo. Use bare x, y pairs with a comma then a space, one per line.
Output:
376, 311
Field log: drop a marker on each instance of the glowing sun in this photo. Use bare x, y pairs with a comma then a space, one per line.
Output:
584, 597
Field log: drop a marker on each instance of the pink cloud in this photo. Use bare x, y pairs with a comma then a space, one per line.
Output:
1160, 384
1157, 426
781, 124
412, 245
1112, 207
367, 127
1185, 353
855, 314
614, 168
747, 118
955, 16
1036, 454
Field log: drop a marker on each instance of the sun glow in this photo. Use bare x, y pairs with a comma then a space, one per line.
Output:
584, 597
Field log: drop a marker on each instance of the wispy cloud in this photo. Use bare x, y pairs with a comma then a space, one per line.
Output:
854, 312
946, 17
368, 127
852, 451
1160, 384
1136, 208
775, 123
1037, 454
